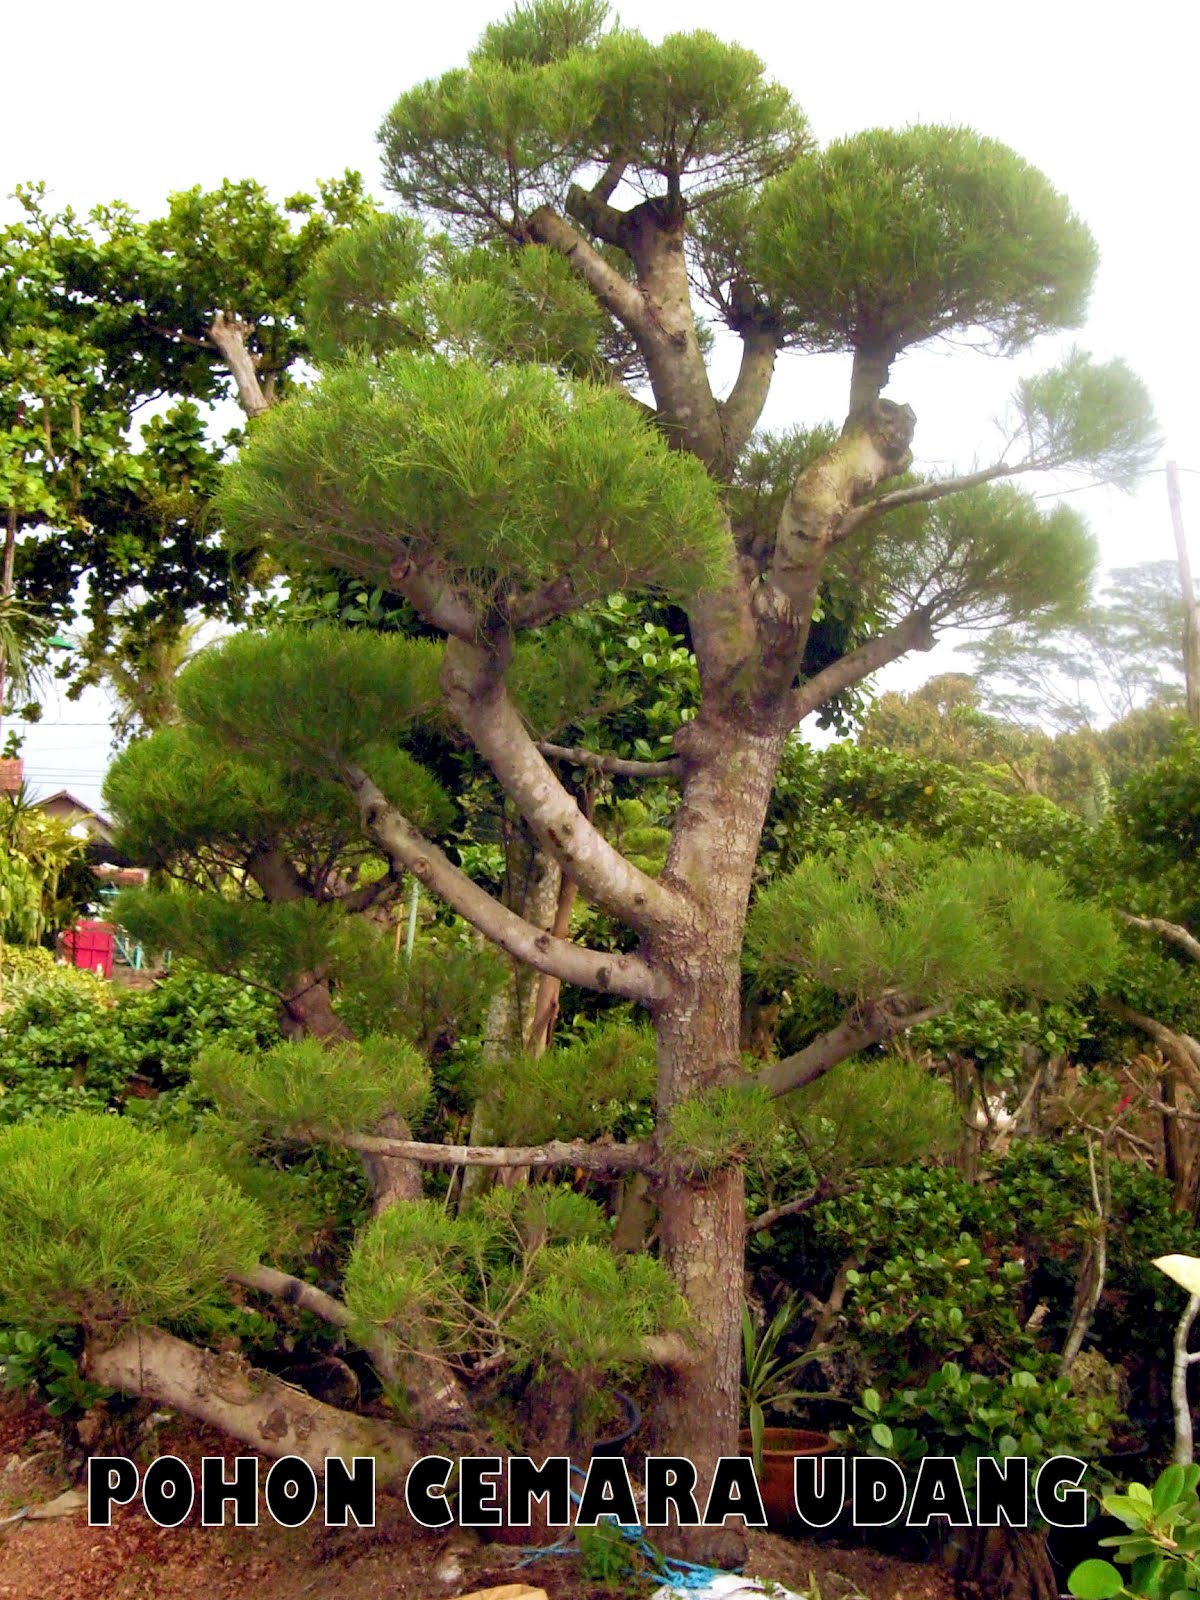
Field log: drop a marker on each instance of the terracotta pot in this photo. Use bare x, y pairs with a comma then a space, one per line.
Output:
781, 1446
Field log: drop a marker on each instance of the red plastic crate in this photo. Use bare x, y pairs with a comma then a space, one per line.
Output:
89, 944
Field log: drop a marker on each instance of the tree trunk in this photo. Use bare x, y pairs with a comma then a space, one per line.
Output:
270, 1416
702, 1217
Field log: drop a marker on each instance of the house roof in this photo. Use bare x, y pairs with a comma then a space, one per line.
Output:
67, 798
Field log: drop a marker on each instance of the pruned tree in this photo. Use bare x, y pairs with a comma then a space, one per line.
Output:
636, 204
680, 188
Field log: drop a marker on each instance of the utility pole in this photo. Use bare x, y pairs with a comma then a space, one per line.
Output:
1191, 613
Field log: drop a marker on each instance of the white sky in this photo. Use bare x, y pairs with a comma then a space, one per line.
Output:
130, 100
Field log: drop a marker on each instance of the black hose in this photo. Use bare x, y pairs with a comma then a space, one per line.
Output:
633, 1421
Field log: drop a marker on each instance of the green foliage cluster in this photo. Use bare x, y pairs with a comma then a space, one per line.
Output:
577, 1091
435, 999
106, 1224
1160, 1545
825, 799
530, 1269
334, 693
872, 1113
484, 147
886, 239
910, 919
720, 1127
972, 1414
304, 1085
182, 796
70, 1044
428, 460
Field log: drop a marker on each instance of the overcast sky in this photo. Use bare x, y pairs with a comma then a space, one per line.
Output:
133, 100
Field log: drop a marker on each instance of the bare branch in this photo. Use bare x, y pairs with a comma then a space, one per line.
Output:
1169, 930
229, 334
743, 405
476, 696
405, 846
615, 766
923, 493
1180, 1048
432, 600
558, 1153
913, 632
615, 293
793, 1208
856, 1032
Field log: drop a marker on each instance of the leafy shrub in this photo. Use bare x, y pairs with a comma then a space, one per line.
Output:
1161, 1545
521, 1271
973, 1414
72, 1044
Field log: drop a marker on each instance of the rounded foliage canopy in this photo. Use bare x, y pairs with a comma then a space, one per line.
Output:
886, 238
504, 480
911, 919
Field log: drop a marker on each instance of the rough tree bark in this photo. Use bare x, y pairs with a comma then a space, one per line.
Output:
270, 1416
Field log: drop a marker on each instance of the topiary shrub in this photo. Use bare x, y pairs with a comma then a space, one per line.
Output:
106, 1224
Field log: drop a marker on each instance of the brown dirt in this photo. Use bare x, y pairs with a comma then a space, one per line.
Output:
64, 1559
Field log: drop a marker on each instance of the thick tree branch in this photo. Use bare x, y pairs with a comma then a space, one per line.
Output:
874, 445
913, 632
271, 1416
616, 294
432, 600
404, 846
1169, 930
743, 406
367, 895
793, 1208
229, 334
615, 766
557, 1153
476, 696
856, 1032
1179, 1048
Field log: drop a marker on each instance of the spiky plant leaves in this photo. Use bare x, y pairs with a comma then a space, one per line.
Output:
183, 791
576, 1091
908, 919
527, 1270
103, 1223
364, 291
589, 1310
495, 481
304, 1084
311, 696
1096, 416
882, 1112
720, 1127
886, 239
691, 116
977, 556
266, 941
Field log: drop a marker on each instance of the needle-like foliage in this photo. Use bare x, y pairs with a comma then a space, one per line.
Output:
887, 239
504, 479
304, 1084
105, 1224
910, 919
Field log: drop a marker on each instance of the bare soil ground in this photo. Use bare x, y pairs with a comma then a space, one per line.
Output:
62, 1558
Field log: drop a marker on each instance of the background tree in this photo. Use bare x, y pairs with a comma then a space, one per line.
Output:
101, 316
